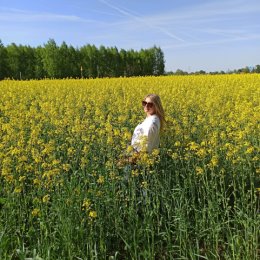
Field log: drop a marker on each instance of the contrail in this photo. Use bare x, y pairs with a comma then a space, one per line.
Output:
163, 30
236, 39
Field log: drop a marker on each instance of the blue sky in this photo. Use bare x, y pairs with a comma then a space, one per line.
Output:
193, 34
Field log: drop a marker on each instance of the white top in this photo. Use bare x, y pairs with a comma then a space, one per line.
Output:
146, 135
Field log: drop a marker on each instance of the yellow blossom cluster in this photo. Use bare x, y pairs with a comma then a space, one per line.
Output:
50, 129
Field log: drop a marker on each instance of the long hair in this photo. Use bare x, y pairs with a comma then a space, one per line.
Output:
159, 111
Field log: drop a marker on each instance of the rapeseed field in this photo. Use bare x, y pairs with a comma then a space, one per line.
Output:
64, 196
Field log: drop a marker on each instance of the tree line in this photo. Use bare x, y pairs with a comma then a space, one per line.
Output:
245, 70
88, 61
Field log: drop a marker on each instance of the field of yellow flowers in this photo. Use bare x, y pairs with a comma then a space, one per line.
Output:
64, 196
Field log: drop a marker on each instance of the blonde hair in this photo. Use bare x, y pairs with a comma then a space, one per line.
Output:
159, 111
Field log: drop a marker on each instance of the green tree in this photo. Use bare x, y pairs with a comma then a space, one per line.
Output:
50, 58
147, 61
88, 55
123, 62
3, 61
256, 69
27, 62
39, 71
158, 61
180, 72
67, 61
20, 61
200, 72
114, 62
14, 61
74, 60
132, 63
103, 68
64, 67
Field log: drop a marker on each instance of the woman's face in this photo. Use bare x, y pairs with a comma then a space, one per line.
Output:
149, 107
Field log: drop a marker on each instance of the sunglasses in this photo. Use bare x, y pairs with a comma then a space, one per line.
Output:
148, 104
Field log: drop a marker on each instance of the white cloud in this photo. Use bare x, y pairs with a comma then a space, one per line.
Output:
16, 15
210, 11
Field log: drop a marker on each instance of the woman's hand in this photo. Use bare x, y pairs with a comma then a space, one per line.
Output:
130, 159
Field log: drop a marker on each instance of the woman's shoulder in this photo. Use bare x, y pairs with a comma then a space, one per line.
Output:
154, 119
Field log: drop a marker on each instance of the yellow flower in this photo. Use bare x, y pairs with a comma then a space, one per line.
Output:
193, 146
23, 158
9, 178
129, 149
71, 151
144, 184
199, 170
134, 173
174, 156
116, 132
36, 182
112, 175
101, 179
36, 212
55, 162
18, 190
155, 152
214, 161
177, 143
22, 178
46, 198
92, 214
249, 150
86, 204
201, 152
66, 167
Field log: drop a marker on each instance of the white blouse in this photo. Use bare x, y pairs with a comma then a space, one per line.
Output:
146, 135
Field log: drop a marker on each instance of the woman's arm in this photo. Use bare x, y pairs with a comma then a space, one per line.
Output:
152, 137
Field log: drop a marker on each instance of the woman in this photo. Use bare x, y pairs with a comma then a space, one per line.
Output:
146, 136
